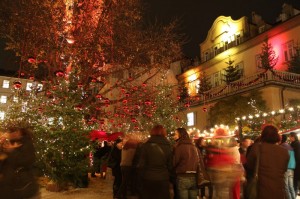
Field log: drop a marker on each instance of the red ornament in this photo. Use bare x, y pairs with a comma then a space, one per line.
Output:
204, 109
148, 102
94, 80
144, 84
78, 107
17, 85
79, 85
133, 120
31, 60
59, 73
31, 77
98, 96
187, 105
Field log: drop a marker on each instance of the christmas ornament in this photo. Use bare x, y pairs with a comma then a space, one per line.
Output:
17, 85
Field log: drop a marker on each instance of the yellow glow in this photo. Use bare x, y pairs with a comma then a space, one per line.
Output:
229, 30
192, 77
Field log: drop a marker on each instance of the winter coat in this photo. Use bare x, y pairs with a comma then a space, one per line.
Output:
271, 169
185, 156
155, 161
17, 172
292, 161
296, 146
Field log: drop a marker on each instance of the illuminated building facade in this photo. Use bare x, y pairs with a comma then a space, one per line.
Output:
241, 41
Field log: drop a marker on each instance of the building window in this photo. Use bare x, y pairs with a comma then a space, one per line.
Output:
226, 45
28, 86
258, 62
216, 79
240, 66
216, 50
3, 99
206, 56
238, 39
5, 84
288, 50
2, 115
191, 119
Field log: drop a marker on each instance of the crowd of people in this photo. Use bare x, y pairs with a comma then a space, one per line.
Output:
160, 167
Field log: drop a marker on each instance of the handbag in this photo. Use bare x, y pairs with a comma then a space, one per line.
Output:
203, 178
252, 184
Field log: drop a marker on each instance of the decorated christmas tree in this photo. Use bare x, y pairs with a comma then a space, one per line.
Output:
204, 83
268, 57
232, 73
91, 57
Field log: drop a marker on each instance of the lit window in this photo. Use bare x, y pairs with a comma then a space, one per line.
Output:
3, 99
5, 84
15, 99
2, 114
29, 86
40, 87
190, 119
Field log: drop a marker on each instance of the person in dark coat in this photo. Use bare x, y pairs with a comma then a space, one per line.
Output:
156, 164
271, 169
114, 163
17, 179
185, 164
295, 144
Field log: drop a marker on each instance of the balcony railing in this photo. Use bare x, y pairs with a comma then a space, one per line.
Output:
248, 83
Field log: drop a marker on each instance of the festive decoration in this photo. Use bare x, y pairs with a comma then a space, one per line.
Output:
86, 65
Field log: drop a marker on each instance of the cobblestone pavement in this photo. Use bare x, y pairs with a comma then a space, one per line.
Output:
98, 189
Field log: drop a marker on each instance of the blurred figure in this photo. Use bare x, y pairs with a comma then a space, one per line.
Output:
201, 145
296, 146
175, 137
221, 164
237, 169
128, 153
289, 174
96, 158
103, 155
246, 142
114, 162
17, 179
185, 164
243, 150
271, 168
156, 164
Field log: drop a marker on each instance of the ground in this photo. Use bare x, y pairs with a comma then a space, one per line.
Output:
98, 188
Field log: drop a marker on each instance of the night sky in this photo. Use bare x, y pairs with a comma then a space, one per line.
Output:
196, 16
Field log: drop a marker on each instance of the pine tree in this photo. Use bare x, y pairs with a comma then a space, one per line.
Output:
204, 83
232, 73
183, 93
84, 53
268, 56
165, 109
294, 63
